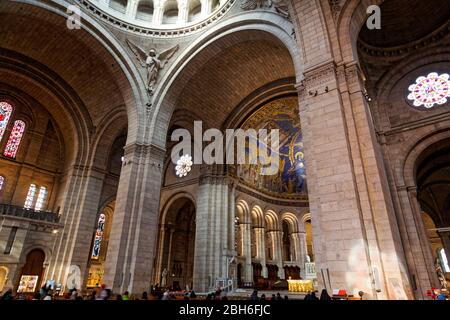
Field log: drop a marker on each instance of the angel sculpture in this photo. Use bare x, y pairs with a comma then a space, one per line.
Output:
153, 62
282, 7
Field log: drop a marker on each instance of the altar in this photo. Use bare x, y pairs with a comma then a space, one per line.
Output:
300, 286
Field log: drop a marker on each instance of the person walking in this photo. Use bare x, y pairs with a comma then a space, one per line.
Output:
324, 295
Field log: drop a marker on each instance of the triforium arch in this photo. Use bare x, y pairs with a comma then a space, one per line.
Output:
294, 240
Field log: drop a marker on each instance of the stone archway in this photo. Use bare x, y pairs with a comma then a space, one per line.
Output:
30, 278
430, 199
176, 245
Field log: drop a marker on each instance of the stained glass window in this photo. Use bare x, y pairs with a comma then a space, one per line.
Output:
30, 196
98, 236
41, 198
431, 90
14, 139
444, 260
2, 182
5, 113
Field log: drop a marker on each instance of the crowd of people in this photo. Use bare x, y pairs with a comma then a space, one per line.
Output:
103, 293
46, 293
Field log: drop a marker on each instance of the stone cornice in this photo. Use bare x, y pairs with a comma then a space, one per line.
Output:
318, 78
151, 154
287, 202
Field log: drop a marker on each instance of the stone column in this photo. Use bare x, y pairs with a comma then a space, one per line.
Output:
298, 243
183, 11
206, 7
132, 243
261, 249
245, 230
214, 247
169, 255
277, 238
131, 9
158, 12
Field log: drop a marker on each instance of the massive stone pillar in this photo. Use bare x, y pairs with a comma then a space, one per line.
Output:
214, 243
356, 237
261, 248
357, 246
132, 244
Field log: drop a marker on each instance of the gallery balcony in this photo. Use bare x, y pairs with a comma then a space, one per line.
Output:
21, 212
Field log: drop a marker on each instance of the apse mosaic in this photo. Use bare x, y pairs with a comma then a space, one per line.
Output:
281, 114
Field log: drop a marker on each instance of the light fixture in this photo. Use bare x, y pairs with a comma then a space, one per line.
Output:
184, 165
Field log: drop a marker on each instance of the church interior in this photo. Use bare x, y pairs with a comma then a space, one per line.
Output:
92, 93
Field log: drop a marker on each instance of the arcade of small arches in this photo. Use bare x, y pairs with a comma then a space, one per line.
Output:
89, 195
160, 14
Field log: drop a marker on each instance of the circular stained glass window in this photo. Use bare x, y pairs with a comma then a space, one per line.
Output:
431, 90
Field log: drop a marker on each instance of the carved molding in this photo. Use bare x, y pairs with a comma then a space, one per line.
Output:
353, 74
318, 77
214, 179
149, 154
279, 6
